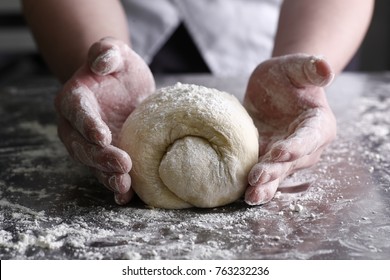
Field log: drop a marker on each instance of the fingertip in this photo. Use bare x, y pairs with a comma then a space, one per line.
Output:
101, 135
126, 162
318, 71
258, 175
251, 196
105, 56
113, 159
122, 199
107, 62
116, 182
80, 108
254, 175
96, 131
261, 194
120, 183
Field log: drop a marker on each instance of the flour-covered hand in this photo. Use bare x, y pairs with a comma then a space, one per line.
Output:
93, 105
286, 99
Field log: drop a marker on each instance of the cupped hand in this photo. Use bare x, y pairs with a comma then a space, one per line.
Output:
93, 105
286, 99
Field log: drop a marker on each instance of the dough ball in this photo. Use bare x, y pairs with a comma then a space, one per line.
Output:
191, 146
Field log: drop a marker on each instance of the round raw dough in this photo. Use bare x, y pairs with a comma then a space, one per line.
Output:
191, 146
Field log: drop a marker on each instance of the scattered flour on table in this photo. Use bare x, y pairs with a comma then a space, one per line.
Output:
71, 217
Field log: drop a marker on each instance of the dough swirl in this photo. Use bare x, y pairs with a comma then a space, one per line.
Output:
191, 146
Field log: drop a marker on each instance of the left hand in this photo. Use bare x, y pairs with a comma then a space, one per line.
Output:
286, 99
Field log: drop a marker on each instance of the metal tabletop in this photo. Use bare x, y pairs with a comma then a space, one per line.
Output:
53, 208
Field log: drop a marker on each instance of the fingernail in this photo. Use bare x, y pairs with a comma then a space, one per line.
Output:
119, 200
114, 165
256, 178
318, 71
103, 130
253, 176
101, 137
114, 183
257, 196
123, 199
252, 197
106, 62
264, 178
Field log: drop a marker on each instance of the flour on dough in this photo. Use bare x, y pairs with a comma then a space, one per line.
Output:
191, 146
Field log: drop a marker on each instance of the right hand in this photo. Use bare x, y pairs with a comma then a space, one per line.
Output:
93, 105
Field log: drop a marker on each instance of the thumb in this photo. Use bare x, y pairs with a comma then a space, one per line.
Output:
105, 56
305, 70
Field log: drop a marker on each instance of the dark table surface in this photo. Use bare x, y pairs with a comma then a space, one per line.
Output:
52, 208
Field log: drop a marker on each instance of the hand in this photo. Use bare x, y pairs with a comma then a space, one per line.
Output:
286, 99
93, 105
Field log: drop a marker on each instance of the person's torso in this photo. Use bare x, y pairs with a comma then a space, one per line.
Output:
233, 36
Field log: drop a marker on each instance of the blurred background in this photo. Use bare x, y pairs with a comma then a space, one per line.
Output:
19, 56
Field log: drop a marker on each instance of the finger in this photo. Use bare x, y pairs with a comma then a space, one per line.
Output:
264, 172
306, 137
107, 159
117, 182
304, 70
124, 198
306, 161
261, 193
79, 106
310, 132
265, 178
105, 56
303, 142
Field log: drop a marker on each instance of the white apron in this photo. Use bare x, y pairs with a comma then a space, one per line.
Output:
233, 36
